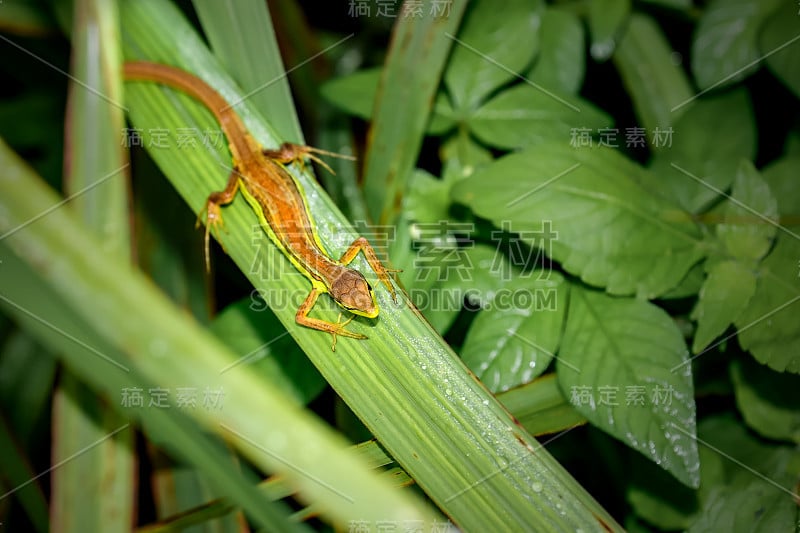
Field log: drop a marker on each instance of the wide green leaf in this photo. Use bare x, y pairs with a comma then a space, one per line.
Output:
656, 84
751, 216
725, 47
768, 401
525, 115
695, 167
250, 328
561, 63
492, 47
607, 226
624, 365
725, 293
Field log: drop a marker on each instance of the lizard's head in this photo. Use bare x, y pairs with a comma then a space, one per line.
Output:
352, 291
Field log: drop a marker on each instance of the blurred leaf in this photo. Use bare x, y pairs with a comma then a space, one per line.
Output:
659, 498
492, 46
428, 198
725, 48
514, 337
525, 115
757, 493
751, 216
624, 364
16, 474
781, 177
561, 63
413, 68
606, 227
725, 294
95, 491
778, 43
462, 155
541, 407
26, 18
242, 37
354, 93
606, 18
656, 84
251, 329
767, 400
27, 373
711, 159
674, 4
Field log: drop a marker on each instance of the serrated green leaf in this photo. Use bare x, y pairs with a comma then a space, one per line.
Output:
354, 93
492, 45
750, 218
608, 227
623, 363
728, 288
606, 18
249, 328
561, 64
698, 163
656, 84
756, 495
769, 328
725, 48
513, 339
526, 115
768, 401
778, 42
